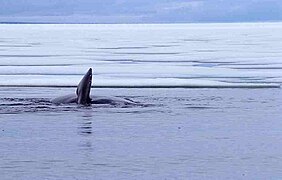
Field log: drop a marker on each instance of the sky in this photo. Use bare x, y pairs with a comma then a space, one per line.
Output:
139, 11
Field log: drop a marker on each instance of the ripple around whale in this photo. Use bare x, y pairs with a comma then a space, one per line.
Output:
24, 105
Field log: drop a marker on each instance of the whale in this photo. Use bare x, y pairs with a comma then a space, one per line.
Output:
82, 95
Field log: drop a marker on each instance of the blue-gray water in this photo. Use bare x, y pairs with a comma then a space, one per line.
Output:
177, 134
163, 55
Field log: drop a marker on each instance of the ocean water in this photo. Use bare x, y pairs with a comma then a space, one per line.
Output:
229, 127
160, 55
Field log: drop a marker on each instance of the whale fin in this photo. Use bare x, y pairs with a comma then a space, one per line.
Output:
84, 88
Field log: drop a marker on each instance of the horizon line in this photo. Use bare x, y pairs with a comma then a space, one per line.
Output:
207, 22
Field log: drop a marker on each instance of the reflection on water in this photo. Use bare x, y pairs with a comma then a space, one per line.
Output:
85, 127
85, 130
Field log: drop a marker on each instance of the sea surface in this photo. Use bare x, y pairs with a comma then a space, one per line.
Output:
209, 101
144, 55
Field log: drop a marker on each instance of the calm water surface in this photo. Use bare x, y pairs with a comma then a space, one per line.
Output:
209, 55
173, 133
176, 134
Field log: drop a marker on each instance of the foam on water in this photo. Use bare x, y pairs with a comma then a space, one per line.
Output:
178, 55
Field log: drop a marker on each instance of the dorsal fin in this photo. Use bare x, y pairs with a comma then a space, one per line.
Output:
84, 87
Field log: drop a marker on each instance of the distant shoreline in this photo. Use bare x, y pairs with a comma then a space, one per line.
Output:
235, 22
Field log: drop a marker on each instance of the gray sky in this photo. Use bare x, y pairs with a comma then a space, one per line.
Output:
139, 11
